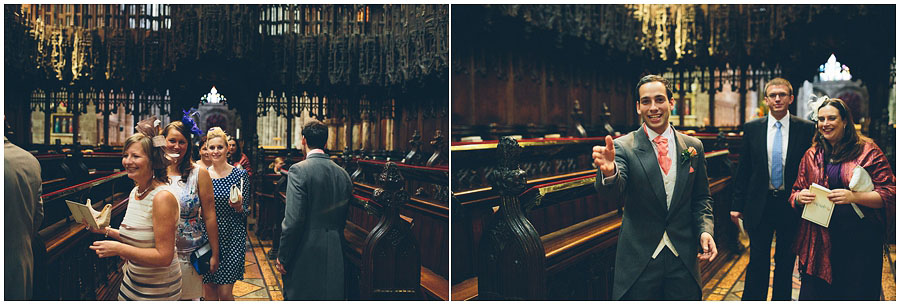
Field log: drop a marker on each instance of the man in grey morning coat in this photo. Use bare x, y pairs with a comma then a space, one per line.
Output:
318, 193
661, 175
23, 212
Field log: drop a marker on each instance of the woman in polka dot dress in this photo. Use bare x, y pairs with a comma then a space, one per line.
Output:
231, 218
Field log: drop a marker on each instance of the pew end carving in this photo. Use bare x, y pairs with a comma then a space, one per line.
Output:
391, 262
510, 256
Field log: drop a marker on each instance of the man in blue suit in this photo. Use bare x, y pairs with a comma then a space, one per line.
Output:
770, 155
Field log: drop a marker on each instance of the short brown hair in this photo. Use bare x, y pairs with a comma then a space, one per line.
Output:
316, 134
156, 155
778, 81
649, 79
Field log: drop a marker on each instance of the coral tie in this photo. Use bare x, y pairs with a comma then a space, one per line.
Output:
662, 148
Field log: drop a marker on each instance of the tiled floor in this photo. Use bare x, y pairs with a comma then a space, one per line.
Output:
728, 283
261, 281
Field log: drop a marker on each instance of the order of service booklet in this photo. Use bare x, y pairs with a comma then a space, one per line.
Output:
819, 212
85, 214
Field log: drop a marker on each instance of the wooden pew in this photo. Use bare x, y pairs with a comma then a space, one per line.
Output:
425, 210
70, 269
65, 269
577, 227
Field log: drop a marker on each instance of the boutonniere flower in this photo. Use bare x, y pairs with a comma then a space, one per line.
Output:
688, 154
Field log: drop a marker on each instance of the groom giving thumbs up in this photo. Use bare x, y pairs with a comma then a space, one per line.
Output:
661, 175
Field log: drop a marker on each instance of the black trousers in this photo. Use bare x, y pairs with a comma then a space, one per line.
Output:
665, 278
782, 222
278, 209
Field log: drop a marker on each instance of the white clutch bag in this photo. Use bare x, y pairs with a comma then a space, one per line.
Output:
235, 192
860, 182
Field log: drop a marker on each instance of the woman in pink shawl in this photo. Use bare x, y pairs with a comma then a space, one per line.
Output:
843, 261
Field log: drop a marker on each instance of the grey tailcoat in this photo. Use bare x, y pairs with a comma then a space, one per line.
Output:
312, 233
23, 212
639, 182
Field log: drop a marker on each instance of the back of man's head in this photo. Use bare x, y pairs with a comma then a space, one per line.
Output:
315, 133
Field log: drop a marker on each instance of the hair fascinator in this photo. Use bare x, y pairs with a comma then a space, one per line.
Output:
150, 128
190, 119
814, 103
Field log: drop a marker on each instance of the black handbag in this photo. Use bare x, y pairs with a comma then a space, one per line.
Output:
200, 259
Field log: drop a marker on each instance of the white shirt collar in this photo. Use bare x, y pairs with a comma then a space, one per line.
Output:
669, 134
784, 120
315, 151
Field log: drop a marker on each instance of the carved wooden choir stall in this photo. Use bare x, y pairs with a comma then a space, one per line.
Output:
377, 75
541, 231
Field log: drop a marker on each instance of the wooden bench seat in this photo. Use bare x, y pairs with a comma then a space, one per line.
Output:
562, 248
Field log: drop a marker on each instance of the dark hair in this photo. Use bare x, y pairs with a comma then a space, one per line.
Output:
236, 156
649, 79
156, 155
186, 161
316, 134
778, 81
851, 143
202, 142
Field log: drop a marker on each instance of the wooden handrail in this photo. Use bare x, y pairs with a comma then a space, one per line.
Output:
80, 186
438, 168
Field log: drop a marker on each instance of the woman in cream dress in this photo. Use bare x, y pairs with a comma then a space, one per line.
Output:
146, 238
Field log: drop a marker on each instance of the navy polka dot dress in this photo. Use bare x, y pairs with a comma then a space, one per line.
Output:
232, 229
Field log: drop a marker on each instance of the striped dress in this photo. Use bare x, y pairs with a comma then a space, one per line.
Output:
144, 282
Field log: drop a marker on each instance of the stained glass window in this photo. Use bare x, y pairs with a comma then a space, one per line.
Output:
833, 70
213, 97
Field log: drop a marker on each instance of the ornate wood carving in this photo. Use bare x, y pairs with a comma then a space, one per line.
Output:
391, 258
439, 145
413, 157
510, 256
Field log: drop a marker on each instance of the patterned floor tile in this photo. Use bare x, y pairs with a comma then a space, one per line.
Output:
276, 296
732, 297
242, 288
729, 286
252, 272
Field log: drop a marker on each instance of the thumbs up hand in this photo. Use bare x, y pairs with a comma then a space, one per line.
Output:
605, 157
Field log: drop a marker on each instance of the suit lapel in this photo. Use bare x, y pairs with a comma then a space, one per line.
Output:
793, 135
681, 174
650, 164
762, 150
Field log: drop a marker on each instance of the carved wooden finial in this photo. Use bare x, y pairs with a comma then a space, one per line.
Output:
508, 178
413, 156
439, 149
391, 192
510, 255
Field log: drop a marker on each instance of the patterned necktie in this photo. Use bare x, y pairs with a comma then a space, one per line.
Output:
662, 148
777, 167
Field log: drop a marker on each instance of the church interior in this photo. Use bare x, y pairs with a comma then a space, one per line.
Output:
514, 96
559, 78
78, 77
